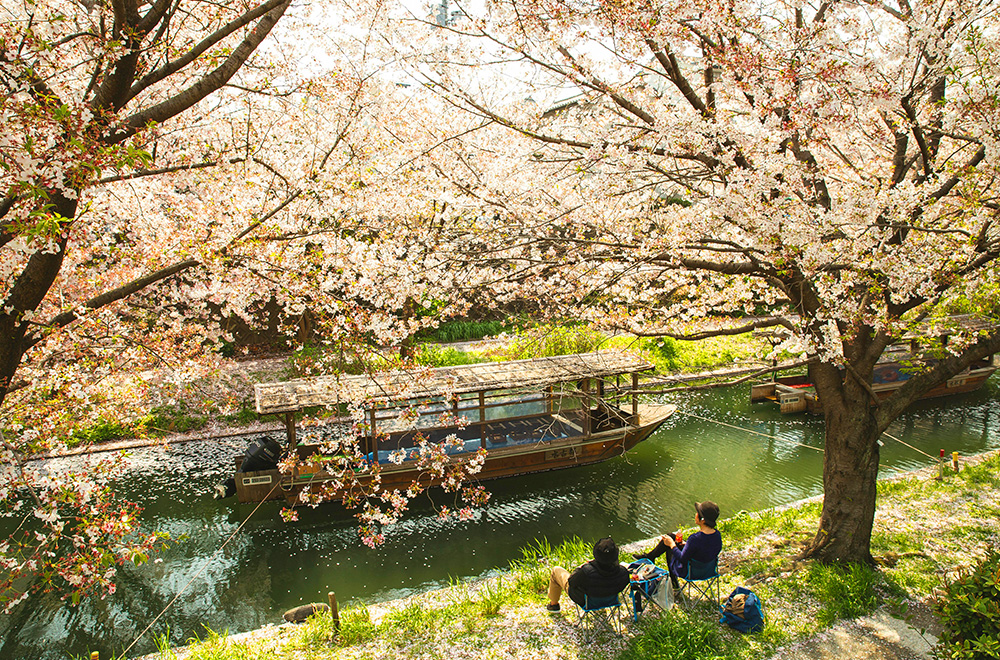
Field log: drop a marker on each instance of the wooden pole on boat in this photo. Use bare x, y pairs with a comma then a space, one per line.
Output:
290, 428
334, 612
585, 388
482, 419
635, 398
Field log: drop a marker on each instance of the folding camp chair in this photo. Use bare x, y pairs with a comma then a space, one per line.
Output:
599, 613
702, 578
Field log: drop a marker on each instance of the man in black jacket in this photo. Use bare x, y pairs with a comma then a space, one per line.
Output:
601, 577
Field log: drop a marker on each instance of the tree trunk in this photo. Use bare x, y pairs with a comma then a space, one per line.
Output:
27, 293
850, 475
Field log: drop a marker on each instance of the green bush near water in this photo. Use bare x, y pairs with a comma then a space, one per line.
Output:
549, 340
432, 355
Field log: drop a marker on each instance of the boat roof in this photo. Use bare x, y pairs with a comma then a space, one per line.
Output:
397, 386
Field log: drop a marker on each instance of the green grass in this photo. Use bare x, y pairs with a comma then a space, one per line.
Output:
215, 646
745, 526
682, 637
845, 592
453, 331
160, 422
674, 355
537, 559
432, 355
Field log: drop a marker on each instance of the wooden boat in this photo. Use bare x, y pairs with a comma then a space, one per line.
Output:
796, 393
528, 415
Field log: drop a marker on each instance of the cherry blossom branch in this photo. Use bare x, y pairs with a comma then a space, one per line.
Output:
138, 174
207, 84
756, 324
199, 49
114, 295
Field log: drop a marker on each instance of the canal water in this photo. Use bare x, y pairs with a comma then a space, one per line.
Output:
718, 446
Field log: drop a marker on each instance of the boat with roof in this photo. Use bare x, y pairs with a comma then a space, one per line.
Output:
515, 418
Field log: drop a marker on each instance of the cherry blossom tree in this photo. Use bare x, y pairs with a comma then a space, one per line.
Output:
697, 168
168, 167
86, 87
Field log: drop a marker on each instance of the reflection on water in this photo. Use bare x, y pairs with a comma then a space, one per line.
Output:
758, 459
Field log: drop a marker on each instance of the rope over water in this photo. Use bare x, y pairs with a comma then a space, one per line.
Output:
196, 575
799, 444
740, 428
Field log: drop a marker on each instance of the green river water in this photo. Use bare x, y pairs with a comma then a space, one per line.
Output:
756, 460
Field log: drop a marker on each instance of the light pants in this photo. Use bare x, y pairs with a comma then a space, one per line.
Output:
558, 583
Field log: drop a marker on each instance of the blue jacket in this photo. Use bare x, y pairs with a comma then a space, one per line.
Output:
700, 547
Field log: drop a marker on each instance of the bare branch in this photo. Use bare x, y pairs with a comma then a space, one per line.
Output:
756, 324
206, 85
175, 65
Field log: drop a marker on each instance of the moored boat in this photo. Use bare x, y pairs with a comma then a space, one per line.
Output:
796, 393
520, 417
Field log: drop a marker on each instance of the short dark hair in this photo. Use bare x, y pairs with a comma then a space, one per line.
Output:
606, 552
708, 511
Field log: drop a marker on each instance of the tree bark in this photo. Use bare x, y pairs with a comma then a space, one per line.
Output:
27, 293
850, 474
854, 423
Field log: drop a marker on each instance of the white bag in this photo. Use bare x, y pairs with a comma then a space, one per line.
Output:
664, 594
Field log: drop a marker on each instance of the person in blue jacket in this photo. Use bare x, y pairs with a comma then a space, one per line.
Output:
704, 545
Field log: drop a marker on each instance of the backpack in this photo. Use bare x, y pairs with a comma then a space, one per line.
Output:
743, 611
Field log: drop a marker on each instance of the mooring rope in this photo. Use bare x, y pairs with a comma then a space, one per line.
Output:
198, 574
774, 437
919, 451
740, 428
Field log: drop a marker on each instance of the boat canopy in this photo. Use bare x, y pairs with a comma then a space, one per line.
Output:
397, 386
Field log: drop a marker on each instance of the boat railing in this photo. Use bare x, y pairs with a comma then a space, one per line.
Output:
483, 407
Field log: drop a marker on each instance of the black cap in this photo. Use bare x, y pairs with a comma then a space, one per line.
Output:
606, 552
709, 512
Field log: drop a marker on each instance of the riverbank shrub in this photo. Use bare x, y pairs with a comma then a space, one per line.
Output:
675, 355
548, 341
433, 355
970, 613
452, 331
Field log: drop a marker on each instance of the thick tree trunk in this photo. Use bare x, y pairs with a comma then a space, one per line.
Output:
850, 475
27, 293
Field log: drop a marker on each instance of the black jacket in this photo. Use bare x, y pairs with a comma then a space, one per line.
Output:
598, 581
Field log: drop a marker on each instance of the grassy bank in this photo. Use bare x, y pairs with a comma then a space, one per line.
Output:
925, 529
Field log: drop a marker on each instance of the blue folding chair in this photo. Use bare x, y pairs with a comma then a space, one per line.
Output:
596, 614
702, 578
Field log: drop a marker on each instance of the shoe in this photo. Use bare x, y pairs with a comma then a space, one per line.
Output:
642, 555
552, 608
